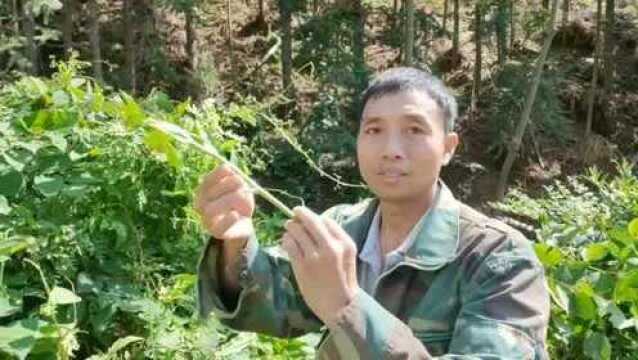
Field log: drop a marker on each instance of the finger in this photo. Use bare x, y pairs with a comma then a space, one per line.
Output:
239, 201
222, 223
302, 238
349, 249
292, 249
226, 185
336, 230
212, 178
314, 226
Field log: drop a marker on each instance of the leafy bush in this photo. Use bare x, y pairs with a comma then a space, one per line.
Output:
588, 243
98, 240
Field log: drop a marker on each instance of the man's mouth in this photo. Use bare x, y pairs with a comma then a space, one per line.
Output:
392, 174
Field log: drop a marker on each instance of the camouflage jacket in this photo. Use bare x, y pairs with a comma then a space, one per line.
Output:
469, 287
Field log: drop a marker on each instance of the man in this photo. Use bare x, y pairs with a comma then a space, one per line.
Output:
411, 274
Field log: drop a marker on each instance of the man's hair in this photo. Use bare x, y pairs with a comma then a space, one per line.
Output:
401, 79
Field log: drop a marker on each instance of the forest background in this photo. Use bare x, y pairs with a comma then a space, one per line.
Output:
98, 238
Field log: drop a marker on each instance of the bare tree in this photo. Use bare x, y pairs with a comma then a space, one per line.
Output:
29, 30
608, 63
594, 80
67, 25
512, 25
190, 38
285, 8
566, 6
94, 39
515, 143
408, 44
445, 14
229, 36
457, 23
501, 30
128, 15
476, 81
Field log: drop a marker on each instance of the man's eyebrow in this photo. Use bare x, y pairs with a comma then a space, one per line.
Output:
416, 117
372, 120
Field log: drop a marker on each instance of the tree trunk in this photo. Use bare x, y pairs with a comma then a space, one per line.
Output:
594, 80
566, 7
67, 26
455, 33
546, 4
445, 13
229, 37
610, 23
190, 39
476, 82
359, 47
129, 45
501, 31
260, 16
29, 30
16, 10
515, 144
512, 26
285, 8
94, 39
408, 44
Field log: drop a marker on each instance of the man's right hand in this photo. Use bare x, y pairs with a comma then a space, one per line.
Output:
226, 205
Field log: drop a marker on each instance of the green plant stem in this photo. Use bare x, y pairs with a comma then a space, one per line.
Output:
208, 148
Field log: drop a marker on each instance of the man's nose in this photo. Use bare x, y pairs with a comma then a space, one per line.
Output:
393, 148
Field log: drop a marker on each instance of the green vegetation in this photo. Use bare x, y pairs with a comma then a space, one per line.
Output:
98, 240
588, 242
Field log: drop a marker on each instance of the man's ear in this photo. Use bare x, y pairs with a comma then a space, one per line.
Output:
451, 142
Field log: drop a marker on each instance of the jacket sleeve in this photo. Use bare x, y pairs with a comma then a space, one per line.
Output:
269, 300
504, 313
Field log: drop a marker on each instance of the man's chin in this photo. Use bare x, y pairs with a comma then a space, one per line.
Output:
396, 195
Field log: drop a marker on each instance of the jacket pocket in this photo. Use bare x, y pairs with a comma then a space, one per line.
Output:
436, 342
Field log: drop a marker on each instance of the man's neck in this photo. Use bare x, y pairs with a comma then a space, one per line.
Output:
399, 217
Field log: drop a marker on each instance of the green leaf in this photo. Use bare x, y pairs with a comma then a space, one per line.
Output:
13, 162
19, 338
60, 98
122, 343
48, 186
582, 303
621, 235
596, 346
41, 121
58, 141
62, 296
160, 143
6, 308
5, 209
627, 287
548, 255
11, 181
632, 228
595, 252
174, 131
16, 244
131, 113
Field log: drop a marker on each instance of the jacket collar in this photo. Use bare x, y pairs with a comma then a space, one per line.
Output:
437, 232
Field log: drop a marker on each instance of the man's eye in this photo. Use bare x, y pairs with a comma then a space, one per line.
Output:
372, 130
415, 130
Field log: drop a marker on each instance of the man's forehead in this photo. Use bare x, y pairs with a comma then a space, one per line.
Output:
406, 103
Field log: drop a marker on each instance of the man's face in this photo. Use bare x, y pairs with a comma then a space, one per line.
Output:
402, 145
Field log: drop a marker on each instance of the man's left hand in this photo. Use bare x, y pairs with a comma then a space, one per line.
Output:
323, 258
